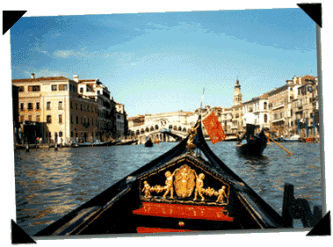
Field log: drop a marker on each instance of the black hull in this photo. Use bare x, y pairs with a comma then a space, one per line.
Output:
126, 206
254, 147
149, 143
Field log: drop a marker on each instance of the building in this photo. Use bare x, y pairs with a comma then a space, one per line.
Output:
121, 120
259, 105
107, 120
66, 110
304, 115
15, 106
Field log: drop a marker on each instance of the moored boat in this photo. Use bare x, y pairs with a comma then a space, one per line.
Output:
130, 142
254, 146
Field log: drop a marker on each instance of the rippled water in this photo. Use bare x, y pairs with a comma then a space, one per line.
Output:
51, 183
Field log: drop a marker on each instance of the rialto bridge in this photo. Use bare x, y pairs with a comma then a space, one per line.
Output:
163, 131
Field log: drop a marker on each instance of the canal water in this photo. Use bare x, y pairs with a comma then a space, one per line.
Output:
49, 183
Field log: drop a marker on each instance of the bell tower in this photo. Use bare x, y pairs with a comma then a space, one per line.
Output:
238, 97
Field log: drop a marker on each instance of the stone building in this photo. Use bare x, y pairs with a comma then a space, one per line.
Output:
121, 120
107, 120
65, 109
259, 105
304, 114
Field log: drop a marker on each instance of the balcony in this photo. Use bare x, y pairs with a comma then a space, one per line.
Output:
278, 120
277, 106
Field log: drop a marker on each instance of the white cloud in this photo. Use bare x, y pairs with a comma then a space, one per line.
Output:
64, 53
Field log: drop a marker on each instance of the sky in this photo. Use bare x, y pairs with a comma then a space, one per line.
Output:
160, 62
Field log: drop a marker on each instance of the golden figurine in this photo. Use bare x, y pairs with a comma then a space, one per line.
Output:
168, 184
190, 145
199, 186
146, 189
221, 194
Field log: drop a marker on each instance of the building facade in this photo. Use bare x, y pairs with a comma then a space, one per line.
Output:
65, 110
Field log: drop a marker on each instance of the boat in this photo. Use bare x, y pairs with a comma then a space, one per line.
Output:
294, 138
130, 142
95, 144
255, 146
149, 143
188, 188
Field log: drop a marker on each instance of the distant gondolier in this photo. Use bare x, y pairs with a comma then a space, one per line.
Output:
250, 120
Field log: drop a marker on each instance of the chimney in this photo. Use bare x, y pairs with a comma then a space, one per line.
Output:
32, 75
76, 78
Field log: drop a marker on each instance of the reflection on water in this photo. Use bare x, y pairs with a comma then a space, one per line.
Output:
51, 183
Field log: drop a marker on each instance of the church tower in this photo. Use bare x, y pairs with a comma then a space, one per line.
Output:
238, 97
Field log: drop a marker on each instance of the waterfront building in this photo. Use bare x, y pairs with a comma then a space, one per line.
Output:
15, 108
120, 120
66, 110
136, 121
305, 106
260, 110
107, 120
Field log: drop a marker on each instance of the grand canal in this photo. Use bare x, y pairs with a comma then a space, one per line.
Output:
51, 183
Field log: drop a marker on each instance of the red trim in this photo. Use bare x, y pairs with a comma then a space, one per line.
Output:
157, 230
182, 211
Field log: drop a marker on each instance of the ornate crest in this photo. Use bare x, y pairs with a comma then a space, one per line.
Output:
184, 181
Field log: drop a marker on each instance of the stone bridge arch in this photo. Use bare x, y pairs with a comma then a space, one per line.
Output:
155, 131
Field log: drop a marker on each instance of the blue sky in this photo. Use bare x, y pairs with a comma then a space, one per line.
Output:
160, 62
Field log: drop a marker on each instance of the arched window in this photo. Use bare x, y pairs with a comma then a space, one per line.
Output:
151, 128
170, 127
265, 105
156, 127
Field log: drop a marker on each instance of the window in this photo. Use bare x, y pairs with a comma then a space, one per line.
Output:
265, 118
54, 87
81, 107
37, 106
60, 119
62, 87
265, 105
76, 106
22, 106
21, 89
77, 119
38, 118
30, 118
72, 134
71, 104
48, 106
21, 119
33, 88
71, 119
60, 105
60, 133
81, 90
48, 119
30, 107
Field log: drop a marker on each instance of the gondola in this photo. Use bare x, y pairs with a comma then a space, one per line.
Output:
188, 188
255, 146
149, 143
